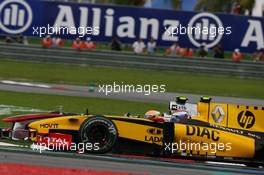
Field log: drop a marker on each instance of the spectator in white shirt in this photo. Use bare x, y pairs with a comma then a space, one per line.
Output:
174, 49
57, 41
139, 46
151, 46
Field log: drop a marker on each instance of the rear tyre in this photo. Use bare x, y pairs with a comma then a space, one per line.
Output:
99, 132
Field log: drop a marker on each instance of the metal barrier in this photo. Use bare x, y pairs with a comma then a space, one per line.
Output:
246, 69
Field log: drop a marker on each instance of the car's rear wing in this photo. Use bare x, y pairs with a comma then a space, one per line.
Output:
250, 118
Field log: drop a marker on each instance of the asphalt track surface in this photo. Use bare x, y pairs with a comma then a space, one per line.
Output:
118, 164
82, 91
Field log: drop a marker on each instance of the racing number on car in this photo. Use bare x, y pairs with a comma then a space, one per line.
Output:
246, 119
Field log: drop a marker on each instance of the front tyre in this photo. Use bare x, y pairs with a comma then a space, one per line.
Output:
99, 132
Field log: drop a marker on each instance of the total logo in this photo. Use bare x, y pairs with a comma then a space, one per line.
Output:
206, 28
15, 16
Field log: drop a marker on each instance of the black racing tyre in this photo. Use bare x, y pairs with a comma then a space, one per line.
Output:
99, 131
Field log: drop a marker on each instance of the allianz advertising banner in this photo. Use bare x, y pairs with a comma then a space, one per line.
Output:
102, 23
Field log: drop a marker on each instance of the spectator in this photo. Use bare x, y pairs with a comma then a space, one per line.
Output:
258, 55
218, 51
47, 42
57, 41
116, 44
89, 44
21, 39
237, 10
139, 46
203, 51
187, 52
236, 55
77, 44
9, 39
151, 46
174, 49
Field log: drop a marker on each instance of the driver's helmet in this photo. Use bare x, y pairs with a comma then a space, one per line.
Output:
180, 115
152, 114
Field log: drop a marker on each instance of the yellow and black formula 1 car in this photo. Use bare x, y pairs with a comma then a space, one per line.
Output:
211, 130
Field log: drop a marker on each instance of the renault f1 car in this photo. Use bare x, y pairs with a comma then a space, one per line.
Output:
209, 130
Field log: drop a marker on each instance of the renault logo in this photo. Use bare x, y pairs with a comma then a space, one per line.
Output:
218, 114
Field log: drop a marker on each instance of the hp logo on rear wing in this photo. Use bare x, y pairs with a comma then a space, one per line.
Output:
246, 119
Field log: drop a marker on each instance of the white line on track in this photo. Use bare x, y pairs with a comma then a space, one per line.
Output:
8, 144
224, 163
25, 84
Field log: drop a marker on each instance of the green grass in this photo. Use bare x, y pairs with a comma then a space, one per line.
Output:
76, 104
175, 82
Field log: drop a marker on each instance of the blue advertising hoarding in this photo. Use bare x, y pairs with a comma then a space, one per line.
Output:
103, 22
